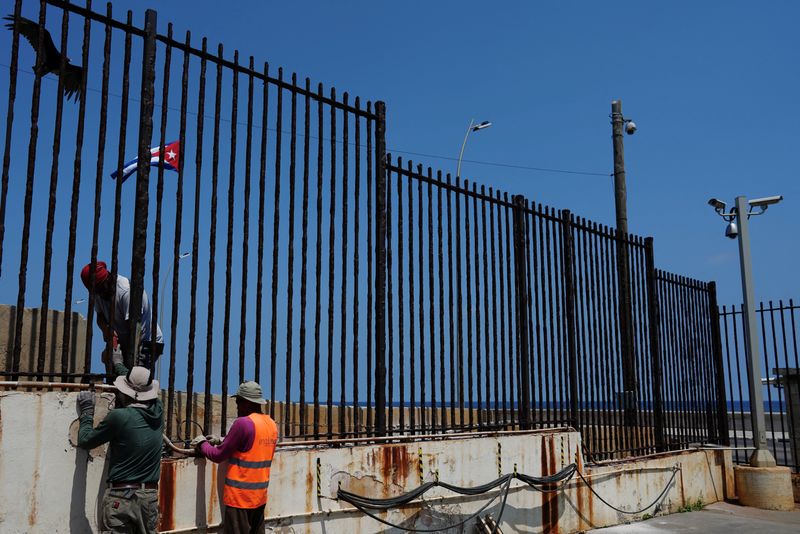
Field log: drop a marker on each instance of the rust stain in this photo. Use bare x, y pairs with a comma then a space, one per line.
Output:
590, 496
549, 500
212, 497
32, 508
166, 496
311, 486
395, 464
580, 498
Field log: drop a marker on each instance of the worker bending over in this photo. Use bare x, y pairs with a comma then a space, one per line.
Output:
133, 428
249, 448
111, 305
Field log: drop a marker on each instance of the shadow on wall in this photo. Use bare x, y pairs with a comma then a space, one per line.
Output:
78, 521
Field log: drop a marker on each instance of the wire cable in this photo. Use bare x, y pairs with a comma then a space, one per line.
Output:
660, 495
504, 492
368, 505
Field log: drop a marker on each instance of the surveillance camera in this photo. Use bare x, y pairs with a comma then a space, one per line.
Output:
717, 204
766, 201
630, 127
732, 231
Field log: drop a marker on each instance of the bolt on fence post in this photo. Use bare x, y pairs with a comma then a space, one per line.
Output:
142, 186
520, 271
654, 323
568, 275
723, 438
380, 269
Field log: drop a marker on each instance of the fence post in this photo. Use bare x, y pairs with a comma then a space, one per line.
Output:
520, 281
568, 274
625, 317
654, 324
380, 269
723, 436
142, 188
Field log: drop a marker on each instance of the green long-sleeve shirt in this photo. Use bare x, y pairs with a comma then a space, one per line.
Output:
135, 437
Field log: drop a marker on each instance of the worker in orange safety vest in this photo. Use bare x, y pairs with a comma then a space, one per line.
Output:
248, 448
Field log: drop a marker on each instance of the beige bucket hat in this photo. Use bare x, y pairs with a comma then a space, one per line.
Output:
137, 384
250, 391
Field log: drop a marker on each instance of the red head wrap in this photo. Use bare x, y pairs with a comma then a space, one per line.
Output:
100, 273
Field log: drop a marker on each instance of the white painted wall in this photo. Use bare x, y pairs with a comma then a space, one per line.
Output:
47, 485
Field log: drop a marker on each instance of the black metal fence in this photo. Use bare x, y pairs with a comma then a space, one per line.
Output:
777, 331
282, 169
506, 314
367, 296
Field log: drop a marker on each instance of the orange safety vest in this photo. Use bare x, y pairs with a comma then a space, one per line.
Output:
247, 479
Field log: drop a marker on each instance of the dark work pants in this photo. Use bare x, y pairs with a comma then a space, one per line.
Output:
243, 520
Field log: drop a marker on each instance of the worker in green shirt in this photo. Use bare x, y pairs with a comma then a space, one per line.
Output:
134, 429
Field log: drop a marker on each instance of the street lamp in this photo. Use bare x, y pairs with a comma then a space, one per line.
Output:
738, 226
161, 306
472, 128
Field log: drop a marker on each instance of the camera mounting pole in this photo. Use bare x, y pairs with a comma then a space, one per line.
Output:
628, 397
761, 457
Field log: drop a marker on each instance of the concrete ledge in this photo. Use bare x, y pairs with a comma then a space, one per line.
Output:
769, 488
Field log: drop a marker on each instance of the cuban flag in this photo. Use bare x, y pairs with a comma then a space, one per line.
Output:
172, 154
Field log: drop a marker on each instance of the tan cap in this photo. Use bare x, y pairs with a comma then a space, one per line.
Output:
250, 391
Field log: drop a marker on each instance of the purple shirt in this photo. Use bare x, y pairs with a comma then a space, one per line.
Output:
240, 438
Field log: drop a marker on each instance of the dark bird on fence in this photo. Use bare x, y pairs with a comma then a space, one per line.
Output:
50, 60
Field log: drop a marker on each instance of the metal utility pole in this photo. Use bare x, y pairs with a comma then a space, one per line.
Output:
628, 396
761, 457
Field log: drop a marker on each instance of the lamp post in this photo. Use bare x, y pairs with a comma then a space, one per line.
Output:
741, 214
472, 128
161, 305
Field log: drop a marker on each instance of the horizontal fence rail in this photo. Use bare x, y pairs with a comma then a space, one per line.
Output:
273, 239
778, 332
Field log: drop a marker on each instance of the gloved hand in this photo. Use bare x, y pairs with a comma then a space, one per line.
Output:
116, 355
86, 403
214, 440
197, 441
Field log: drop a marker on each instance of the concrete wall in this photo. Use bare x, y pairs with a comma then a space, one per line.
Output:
30, 340
47, 485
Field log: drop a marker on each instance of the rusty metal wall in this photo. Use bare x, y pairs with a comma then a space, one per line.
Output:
38, 463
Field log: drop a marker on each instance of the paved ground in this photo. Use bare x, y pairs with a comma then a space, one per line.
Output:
718, 518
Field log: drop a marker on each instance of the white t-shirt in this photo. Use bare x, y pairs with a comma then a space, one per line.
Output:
121, 317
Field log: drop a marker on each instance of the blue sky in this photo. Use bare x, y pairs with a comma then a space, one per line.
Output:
712, 87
